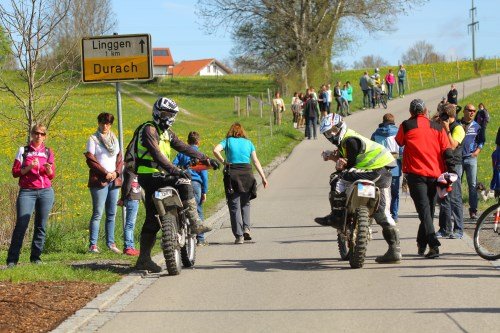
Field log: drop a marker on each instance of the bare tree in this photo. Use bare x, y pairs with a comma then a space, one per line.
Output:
370, 61
284, 35
30, 26
84, 18
421, 53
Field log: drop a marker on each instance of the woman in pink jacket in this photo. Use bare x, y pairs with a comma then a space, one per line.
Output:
390, 80
35, 168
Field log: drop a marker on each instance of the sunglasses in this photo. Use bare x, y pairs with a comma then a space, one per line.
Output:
39, 133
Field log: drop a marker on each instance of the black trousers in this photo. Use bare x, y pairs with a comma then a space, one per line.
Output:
423, 194
150, 184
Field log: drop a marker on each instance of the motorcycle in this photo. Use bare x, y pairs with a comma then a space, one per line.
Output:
363, 198
178, 242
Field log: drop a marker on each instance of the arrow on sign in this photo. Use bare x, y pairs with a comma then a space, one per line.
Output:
142, 45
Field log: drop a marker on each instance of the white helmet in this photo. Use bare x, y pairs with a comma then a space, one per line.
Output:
164, 112
333, 128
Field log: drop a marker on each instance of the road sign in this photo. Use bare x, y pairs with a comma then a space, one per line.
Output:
117, 58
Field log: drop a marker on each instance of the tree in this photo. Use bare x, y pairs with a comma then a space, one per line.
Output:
286, 36
370, 61
84, 18
30, 27
6, 59
421, 53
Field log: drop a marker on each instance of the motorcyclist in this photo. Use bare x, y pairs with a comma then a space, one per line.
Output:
155, 170
360, 158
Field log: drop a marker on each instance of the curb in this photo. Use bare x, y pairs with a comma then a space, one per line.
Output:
107, 304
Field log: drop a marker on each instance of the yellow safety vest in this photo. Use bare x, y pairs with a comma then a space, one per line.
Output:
372, 156
144, 158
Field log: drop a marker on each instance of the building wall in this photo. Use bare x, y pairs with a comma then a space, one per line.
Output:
212, 70
161, 70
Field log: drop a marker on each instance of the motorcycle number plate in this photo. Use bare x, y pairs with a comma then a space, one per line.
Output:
366, 191
163, 194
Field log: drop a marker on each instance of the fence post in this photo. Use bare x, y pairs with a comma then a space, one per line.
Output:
421, 81
496, 65
261, 106
268, 96
248, 106
239, 106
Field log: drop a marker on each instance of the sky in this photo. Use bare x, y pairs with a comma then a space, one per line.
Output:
443, 23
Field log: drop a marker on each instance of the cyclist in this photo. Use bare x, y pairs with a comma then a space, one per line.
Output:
155, 170
360, 158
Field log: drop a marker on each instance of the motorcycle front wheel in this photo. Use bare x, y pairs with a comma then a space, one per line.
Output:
343, 245
170, 244
359, 237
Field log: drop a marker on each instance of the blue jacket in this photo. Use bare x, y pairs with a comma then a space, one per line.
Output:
474, 138
201, 177
385, 135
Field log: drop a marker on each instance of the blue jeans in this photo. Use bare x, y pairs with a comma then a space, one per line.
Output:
470, 170
310, 127
367, 98
389, 90
401, 86
197, 196
106, 197
451, 209
395, 196
131, 206
28, 200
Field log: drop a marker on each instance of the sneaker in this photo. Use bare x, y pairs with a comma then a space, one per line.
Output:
11, 264
246, 235
442, 234
201, 243
239, 240
433, 253
114, 249
93, 249
456, 235
473, 216
130, 251
37, 262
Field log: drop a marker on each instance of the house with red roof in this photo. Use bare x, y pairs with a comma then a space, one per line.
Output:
203, 67
163, 62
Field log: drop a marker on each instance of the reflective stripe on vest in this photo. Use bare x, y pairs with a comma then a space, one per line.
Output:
144, 158
372, 156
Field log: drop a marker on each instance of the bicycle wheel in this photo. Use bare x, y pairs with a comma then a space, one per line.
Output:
383, 99
487, 233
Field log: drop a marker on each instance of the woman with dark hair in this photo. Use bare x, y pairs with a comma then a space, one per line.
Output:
35, 168
239, 182
105, 162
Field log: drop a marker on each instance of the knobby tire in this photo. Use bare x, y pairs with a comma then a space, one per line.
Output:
359, 236
170, 244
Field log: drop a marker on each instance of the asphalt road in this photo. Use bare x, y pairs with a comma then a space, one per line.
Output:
290, 278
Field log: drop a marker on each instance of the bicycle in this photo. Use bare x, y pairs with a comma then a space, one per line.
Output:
487, 233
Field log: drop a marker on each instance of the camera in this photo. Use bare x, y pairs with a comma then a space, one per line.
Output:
444, 116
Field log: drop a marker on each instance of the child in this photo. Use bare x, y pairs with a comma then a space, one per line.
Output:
131, 195
199, 179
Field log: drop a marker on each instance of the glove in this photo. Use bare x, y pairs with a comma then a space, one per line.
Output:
194, 161
214, 163
184, 174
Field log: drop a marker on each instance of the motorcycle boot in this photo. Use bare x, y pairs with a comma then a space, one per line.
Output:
144, 262
393, 254
336, 218
197, 226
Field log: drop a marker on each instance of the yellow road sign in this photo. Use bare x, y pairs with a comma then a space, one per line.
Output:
117, 58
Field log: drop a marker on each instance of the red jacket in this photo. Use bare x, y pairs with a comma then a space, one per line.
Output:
36, 178
425, 143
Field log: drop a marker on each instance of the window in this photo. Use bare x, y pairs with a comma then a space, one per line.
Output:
160, 53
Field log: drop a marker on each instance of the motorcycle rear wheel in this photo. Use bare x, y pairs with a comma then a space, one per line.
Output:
188, 251
359, 237
170, 244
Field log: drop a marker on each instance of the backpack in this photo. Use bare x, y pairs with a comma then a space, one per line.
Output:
130, 158
26, 151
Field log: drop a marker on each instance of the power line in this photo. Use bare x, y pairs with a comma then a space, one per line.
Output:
472, 27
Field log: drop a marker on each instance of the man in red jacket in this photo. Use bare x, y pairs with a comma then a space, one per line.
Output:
426, 155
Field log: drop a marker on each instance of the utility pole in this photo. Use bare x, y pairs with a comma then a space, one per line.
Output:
472, 27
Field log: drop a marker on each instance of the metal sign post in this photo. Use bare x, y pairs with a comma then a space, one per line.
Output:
113, 59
